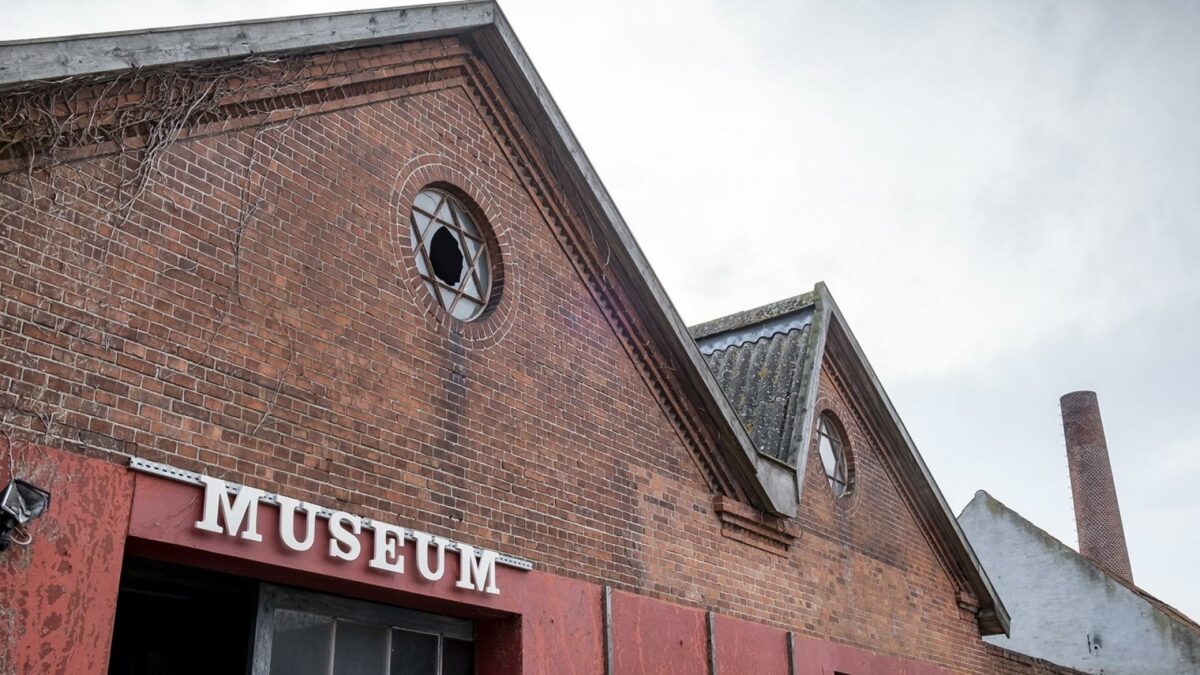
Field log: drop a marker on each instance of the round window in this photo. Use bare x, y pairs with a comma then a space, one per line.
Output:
833, 455
452, 256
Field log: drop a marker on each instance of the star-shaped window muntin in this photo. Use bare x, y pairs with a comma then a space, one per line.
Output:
451, 254
832, 449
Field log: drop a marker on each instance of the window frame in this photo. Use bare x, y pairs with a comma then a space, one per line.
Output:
272, 597
829, 428
474, 230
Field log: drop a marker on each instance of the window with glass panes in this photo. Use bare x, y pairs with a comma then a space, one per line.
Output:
301, 633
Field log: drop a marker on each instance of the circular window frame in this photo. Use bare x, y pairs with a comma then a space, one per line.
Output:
439, 172
446, 240
828, 418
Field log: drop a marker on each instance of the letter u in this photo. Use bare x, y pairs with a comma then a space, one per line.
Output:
423, 540
287, 525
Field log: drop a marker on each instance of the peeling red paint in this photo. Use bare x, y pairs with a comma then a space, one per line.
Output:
498, 644
59, 595
58, 599
540, 624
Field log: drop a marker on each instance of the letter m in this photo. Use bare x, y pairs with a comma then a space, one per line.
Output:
243, 508
477, 573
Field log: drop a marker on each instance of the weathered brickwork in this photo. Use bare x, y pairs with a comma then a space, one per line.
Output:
869, 550
255, 315
1093, 492
1006, 662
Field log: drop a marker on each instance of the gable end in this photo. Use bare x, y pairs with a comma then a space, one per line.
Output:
855, 377
587, 223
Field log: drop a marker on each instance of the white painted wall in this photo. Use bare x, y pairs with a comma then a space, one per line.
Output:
1062, 605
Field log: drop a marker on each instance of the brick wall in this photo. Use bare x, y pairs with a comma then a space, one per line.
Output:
251, 311
1006, 662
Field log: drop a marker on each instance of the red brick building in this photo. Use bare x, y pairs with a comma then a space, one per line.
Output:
358, 265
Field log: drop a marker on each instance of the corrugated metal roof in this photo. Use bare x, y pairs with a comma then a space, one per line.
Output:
759, 359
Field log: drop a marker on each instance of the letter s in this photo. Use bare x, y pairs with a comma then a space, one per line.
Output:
350, 546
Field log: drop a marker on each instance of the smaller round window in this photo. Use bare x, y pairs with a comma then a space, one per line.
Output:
833, 455
452, 256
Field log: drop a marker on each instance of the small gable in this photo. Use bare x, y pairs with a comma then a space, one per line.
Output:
870, 514
786, 366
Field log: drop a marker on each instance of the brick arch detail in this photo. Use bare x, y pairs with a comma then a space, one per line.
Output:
855, 441
440, 170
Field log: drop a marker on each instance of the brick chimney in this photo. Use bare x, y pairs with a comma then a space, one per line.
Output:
1097, 515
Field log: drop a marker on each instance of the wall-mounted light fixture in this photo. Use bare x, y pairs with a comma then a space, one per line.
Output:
20, 503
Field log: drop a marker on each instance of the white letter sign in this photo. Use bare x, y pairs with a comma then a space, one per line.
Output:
423, 555
389, 539
236, 515
287, 524
244, 507
477, 573
348, 538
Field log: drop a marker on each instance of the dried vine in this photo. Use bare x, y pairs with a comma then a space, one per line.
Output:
28, 411
250, 199
135, 117
137, 110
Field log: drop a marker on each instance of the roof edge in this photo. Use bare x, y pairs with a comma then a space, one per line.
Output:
992, 616
750, 317
770, 485
92, 54
803, 428
984, 500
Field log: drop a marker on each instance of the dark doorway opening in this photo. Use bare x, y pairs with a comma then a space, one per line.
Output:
174, 620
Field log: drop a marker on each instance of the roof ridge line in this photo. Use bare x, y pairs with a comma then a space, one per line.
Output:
52, 58
749, 317
1158, 603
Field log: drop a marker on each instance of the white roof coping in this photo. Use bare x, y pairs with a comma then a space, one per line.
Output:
59, 57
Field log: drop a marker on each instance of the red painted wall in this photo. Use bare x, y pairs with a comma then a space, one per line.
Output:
746, 647
816, 657
556, 621
58, 596
657, 638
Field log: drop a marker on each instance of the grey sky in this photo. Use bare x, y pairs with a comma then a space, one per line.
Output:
1002, 196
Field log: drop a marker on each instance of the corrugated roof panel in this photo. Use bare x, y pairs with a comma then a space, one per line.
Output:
759, 366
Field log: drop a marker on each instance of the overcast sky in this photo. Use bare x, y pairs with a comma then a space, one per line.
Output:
1003, 198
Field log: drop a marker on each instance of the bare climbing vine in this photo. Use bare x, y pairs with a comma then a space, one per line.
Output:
279, 383
135, 117
139, 111
19, 427
251, 197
